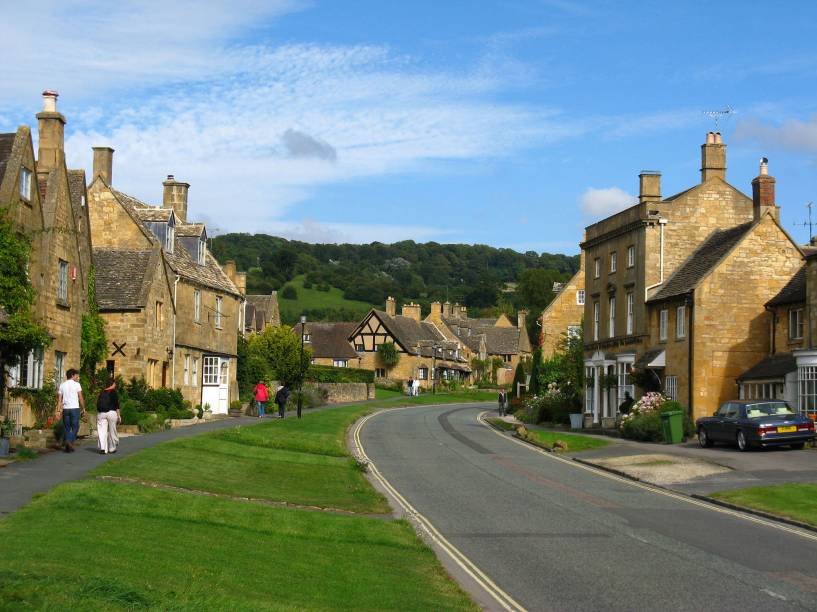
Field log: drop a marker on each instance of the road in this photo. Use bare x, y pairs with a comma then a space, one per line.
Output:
557, 536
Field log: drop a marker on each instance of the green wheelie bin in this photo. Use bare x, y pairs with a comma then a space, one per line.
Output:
672, 423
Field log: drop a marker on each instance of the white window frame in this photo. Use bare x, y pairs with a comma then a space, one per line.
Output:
680, 322
187, 369
202, 254
611, 316
580, 297
625, 383
194, 374
196, 305
596, 320
62, 281
613, 261
380, 372
28, 373
210, 370
630, 313
631, 256
796, 324
671, 387
807, 381
574, 331
219, 300
59, 365
422, 373
597, 267
340, 363
170, 237
663, 319
25, 183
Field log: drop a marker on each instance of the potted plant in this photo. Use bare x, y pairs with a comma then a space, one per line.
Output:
6, 429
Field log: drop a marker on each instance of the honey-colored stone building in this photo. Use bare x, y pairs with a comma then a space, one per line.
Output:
676, 287
563, 316
329, 343
261, 311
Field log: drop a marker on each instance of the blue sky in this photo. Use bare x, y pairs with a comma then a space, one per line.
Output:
508, 123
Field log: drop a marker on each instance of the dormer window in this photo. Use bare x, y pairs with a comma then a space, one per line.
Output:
202, 255
170, 236
25, 183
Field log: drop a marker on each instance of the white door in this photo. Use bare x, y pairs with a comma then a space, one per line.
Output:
215, 388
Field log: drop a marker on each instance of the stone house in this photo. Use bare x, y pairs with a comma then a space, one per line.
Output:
330, 343
563, 316
261, 311
195, 308
675, 264
426, 354
47, 202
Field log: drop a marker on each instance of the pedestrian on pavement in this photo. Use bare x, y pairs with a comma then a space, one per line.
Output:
261, 396
627, 404
415, 387
410, 386
502, 402
107, 416
281, 397
70, 407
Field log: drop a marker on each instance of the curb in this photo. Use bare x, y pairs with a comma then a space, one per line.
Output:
512, 433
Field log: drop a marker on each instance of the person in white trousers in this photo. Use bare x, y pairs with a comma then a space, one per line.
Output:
107, 416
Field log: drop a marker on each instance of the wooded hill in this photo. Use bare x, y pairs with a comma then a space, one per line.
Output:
482, 277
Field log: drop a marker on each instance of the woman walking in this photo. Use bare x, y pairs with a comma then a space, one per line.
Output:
107, 416
261, 396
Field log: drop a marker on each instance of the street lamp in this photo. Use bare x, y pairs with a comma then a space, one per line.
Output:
301, 366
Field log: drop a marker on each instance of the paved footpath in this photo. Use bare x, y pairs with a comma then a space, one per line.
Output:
556, 535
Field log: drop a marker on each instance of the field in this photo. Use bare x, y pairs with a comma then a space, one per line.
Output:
312, 299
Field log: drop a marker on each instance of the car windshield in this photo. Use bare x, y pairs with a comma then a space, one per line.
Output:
767, 409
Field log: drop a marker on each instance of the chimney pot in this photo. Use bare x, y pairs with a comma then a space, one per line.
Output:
175, 197
764, 166
50, 101
713, 157
763, 197
391, 306
51, 132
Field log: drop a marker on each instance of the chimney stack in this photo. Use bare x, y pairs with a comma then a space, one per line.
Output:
521, 319
447, 310
51, 126
175, 197
229, 269
649, 186
241, 282
391, 306
103, 164
412, 311
464, 312
763, 192
436, 310
713, 157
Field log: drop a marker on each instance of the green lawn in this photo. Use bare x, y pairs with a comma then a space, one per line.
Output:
574, 443
386, 393
312, 298
501, 424
793, 500
94, 545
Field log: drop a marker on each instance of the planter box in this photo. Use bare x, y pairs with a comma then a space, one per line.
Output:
608, 422
588, 420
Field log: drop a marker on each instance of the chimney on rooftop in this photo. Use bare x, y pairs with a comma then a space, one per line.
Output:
447, 309
175, 197
521, 319
391, 306
649, 186
51, 127
713, 157
763, 192
103, 164
412, 311
436, 310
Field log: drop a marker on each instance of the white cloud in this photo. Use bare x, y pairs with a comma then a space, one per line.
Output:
794, 135
600, 203
310, 230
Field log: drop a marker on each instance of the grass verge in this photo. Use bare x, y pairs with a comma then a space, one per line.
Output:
573, 443
797, 501
501, 424
386, 393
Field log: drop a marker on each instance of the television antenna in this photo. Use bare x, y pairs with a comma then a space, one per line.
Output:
810, 224
717, 115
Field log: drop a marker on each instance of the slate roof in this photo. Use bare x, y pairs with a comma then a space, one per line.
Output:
329, 340
417, 337
702, 261
6, 145
498, 340
774, 366
794, 292
121, 277
263, 310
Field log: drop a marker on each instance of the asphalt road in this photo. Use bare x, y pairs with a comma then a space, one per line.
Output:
556, 536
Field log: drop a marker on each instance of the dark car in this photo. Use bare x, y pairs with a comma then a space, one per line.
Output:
759, 422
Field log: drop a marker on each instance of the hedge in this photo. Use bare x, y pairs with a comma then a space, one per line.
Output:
329, 374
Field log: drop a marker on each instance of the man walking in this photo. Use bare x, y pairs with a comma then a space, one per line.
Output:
281, 397
70, 402
502, 400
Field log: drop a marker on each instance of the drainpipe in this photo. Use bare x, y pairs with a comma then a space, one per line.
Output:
175, 307
661, 224
772, 331
691, 362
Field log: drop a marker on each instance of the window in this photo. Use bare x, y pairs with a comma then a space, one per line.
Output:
795, 324
170, 237
218, 312
422, 373
196, 305
59, 365
210, 371
630, 256
611, 322
671, 387
613, 261
625, 383
360, 347
110, 365
25, 183
630, 313
29, 372
152, 373
596, 320
380, 372
307, 337
187, 369
589, 375
159, 316
194, 374
62, 281
574, 331
507, 358
202, 255
662, 324
340, 363
597, 267
224, 370
580, 297
680, 321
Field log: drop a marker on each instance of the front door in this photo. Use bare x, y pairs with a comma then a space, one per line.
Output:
215, 386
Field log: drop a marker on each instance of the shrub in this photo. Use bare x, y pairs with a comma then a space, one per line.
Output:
235, 405
390, 385
644, 421
323, 287
329, 374
312, 397
289, 293
307, 284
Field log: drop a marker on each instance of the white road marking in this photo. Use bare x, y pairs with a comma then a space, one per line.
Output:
695, 502
501, 597
773, 594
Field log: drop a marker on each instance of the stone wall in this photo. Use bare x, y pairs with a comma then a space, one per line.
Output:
339, 393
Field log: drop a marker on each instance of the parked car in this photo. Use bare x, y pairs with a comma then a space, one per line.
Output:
748, 423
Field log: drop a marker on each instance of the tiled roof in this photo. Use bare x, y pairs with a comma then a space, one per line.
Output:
793, 292
190, 229
409, 332
265, 310
6, 145
498, 340
120, 278
152, 213
329, 340
702, 261
775, 366
76, 187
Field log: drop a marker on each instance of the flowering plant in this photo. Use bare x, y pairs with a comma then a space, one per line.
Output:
649, 402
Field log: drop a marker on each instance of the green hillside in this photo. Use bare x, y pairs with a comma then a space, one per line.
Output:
319, 305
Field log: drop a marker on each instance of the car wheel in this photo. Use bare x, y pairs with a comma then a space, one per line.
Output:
703, 438
797, 445
743, 443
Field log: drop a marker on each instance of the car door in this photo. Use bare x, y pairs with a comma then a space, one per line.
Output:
729, 425
714, 426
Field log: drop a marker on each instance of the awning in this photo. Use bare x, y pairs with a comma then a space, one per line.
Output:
654, 358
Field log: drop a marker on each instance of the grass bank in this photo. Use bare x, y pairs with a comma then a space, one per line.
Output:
796, 501
108, 545
571, 443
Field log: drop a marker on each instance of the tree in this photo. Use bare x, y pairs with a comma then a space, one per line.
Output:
289, 293
276, 352
388, 354
19, 333
94, 342
536, 368
518, 378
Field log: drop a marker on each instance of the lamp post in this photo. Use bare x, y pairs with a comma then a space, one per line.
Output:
301, 366
433, 369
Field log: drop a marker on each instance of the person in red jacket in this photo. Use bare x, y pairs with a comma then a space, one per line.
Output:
261, 394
